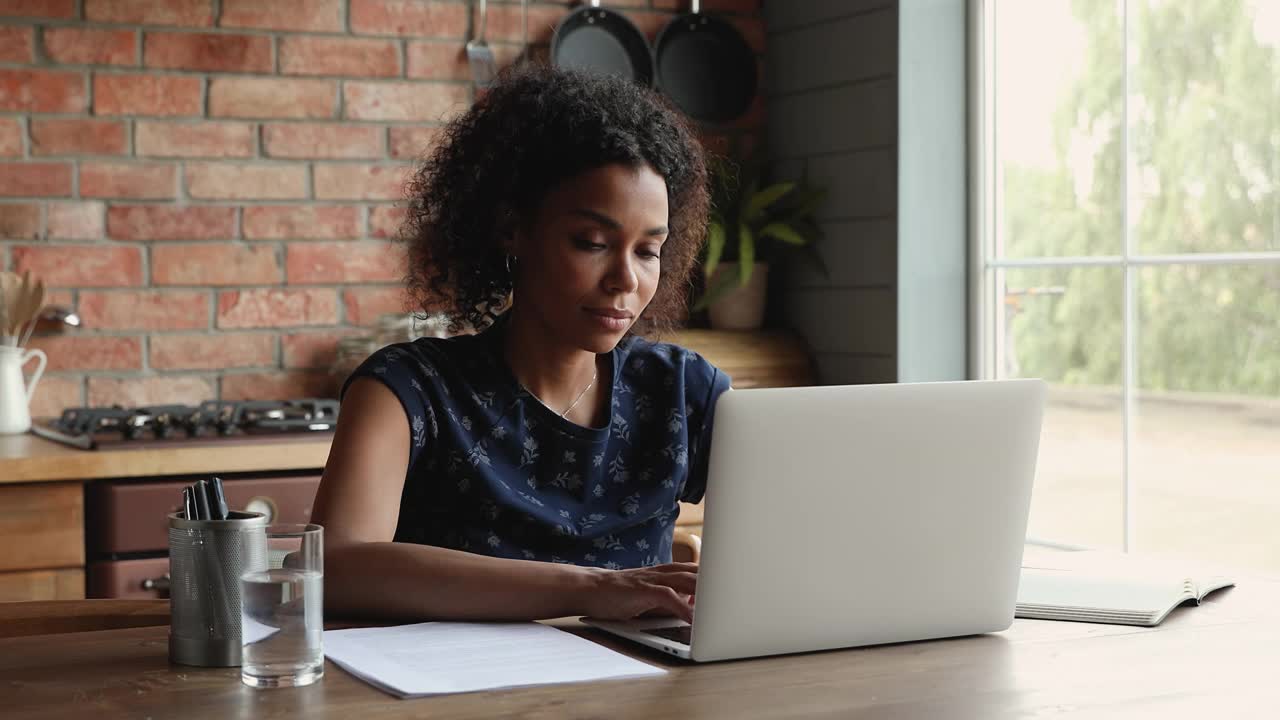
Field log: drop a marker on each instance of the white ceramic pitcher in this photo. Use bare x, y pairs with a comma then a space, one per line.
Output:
15, 395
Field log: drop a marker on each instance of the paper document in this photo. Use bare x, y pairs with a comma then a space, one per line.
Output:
444, 657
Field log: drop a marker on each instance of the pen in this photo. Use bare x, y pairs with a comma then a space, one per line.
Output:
218, 501
188, 504
202, 500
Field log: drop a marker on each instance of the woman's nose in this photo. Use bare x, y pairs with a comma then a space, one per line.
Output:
622, 275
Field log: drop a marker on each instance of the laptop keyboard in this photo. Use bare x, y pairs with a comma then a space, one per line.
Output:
682, 634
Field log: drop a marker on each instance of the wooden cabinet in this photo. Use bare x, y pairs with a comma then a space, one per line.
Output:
767, 358
42, 541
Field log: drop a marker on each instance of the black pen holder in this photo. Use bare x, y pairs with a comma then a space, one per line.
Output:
206, 560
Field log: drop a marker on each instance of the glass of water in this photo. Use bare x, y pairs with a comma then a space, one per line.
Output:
282, 615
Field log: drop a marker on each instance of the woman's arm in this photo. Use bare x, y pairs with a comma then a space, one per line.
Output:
367, 574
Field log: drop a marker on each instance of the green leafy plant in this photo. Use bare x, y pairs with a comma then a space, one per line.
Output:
755, 221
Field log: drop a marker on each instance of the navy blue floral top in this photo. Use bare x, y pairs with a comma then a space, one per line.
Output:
494, 471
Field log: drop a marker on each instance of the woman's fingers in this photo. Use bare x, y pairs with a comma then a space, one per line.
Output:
676, 567
671, 601
683, 582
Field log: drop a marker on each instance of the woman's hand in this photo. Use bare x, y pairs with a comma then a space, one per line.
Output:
658, 590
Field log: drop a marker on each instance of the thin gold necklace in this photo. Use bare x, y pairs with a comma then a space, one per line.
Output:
574, 404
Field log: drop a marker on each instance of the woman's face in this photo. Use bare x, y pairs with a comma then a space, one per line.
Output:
589, 263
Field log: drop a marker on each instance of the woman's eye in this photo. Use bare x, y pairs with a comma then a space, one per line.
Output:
588, 244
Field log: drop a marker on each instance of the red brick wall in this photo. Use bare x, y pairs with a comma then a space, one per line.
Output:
213, 184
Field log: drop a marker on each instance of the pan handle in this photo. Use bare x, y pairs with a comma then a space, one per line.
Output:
484, 19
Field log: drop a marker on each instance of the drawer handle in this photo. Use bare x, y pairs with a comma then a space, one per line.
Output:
158, 584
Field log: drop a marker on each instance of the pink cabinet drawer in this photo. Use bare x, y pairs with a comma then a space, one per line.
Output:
131, 516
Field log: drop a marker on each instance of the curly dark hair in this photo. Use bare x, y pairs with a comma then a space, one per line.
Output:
536, 127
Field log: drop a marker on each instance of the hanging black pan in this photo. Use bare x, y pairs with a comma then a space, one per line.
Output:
595, 39
706, 67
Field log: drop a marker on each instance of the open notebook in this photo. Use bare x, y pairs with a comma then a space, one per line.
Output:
1107, 587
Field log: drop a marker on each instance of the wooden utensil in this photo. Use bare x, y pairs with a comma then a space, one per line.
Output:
34, 306
7, 299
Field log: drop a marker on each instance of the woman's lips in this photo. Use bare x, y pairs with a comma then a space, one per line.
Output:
610, 319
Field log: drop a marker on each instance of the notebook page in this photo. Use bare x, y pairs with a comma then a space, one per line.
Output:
1104, 591
442, 657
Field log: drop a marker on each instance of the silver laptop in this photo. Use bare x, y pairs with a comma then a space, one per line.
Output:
844, 516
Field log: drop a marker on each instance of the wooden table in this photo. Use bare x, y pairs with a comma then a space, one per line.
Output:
1219, 660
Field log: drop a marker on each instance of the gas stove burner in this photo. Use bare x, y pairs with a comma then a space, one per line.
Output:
90, 427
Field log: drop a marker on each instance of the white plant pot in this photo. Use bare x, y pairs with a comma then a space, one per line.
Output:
741, 308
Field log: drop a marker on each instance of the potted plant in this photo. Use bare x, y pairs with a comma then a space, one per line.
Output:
752, 224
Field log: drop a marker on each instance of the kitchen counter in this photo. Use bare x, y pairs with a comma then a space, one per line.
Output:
29, 459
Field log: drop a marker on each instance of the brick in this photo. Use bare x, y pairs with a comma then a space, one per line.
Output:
272, 98
145, 309
349, 181
194, 139
312, 349
17, 44
278, 385
385, 221
35, 179
218, 181
76, 221
448, 61
294, 15
409, 17
78, 136
43, 91
214, 264
504, 22
220, 52
65, 9
166, 95
430, 102
212, 352
90, 353
191, 13
277, 308
315, 140
83, 46
365, 304
10, 137
55, 394
19, 221
143, 391
81, 265
437, 61
411, 143
343, 262
137, 180
170, 222
301, 222
59, 297
339, 56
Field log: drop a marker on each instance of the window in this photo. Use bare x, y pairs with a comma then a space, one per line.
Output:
1126, 232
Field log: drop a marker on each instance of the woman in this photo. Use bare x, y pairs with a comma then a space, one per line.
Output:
533, 469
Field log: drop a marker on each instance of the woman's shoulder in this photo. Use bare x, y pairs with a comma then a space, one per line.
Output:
698, 374
422, 362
